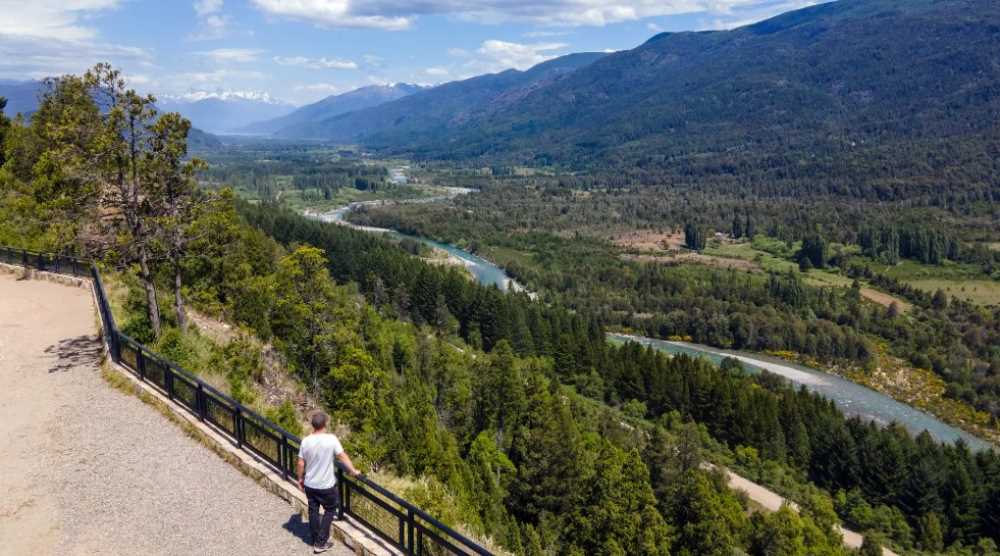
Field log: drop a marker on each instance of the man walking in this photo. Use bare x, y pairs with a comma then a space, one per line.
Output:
318, 478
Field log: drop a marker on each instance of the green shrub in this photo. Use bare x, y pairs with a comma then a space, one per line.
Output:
286, 417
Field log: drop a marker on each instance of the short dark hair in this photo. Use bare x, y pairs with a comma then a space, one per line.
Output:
319, 420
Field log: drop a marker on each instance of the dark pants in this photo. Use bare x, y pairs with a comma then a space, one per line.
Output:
330, 500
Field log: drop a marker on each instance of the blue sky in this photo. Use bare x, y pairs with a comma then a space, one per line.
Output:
301, 50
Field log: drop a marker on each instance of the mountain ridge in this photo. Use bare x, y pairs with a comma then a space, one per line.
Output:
333, 105
434, 108
874, 91
813, 78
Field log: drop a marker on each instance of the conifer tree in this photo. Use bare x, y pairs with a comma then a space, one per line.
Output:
870, 546
174, 191
929, 534
4, 126
694, 237
124, 145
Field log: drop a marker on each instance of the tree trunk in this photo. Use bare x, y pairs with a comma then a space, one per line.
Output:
179, 299
147, 283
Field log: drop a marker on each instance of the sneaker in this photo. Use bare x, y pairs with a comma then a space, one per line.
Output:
321, 548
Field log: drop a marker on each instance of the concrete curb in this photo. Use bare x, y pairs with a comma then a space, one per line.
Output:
348, 531
32, 274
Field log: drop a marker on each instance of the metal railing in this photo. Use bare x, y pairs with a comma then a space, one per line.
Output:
396, 521
59, 264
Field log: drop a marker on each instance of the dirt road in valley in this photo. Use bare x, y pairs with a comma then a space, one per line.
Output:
772, 502
88, 470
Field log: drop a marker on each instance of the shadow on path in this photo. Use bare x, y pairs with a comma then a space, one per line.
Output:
74, 352
299, 528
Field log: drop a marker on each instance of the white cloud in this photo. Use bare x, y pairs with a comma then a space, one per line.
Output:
37, 58
217, 76
654, 27
335, 13
138, 79
400, 14
373, 60
318, 88
758, 11
315, 63
498, 55
544, 34
306, 93
51, 19
48, 38
237, 55
494, 56
217, 22
207, 7
212, 23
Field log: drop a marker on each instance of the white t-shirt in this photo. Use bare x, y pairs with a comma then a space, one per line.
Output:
319, 452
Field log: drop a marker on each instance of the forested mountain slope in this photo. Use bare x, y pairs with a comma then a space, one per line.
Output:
435, 111
334, 105
851, 92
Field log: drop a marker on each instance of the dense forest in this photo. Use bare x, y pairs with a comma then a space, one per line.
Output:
531, 429
945, 225
262, 171
619, 375
553, 240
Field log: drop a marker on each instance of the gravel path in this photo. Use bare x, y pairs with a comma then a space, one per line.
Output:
88, 470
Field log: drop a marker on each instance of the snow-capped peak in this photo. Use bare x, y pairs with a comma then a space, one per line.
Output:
227, 94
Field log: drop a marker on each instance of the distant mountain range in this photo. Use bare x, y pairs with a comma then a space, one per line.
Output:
878, 90
225, 112
432, 112
334, 105
23, 96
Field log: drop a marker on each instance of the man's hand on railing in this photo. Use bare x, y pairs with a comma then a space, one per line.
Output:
347, 464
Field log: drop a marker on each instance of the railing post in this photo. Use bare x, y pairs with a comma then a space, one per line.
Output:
116, 345
401, 534
238, 426
411, 542
343, 491
347, 498
168, 381
284, 458
199, 401
140, 362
